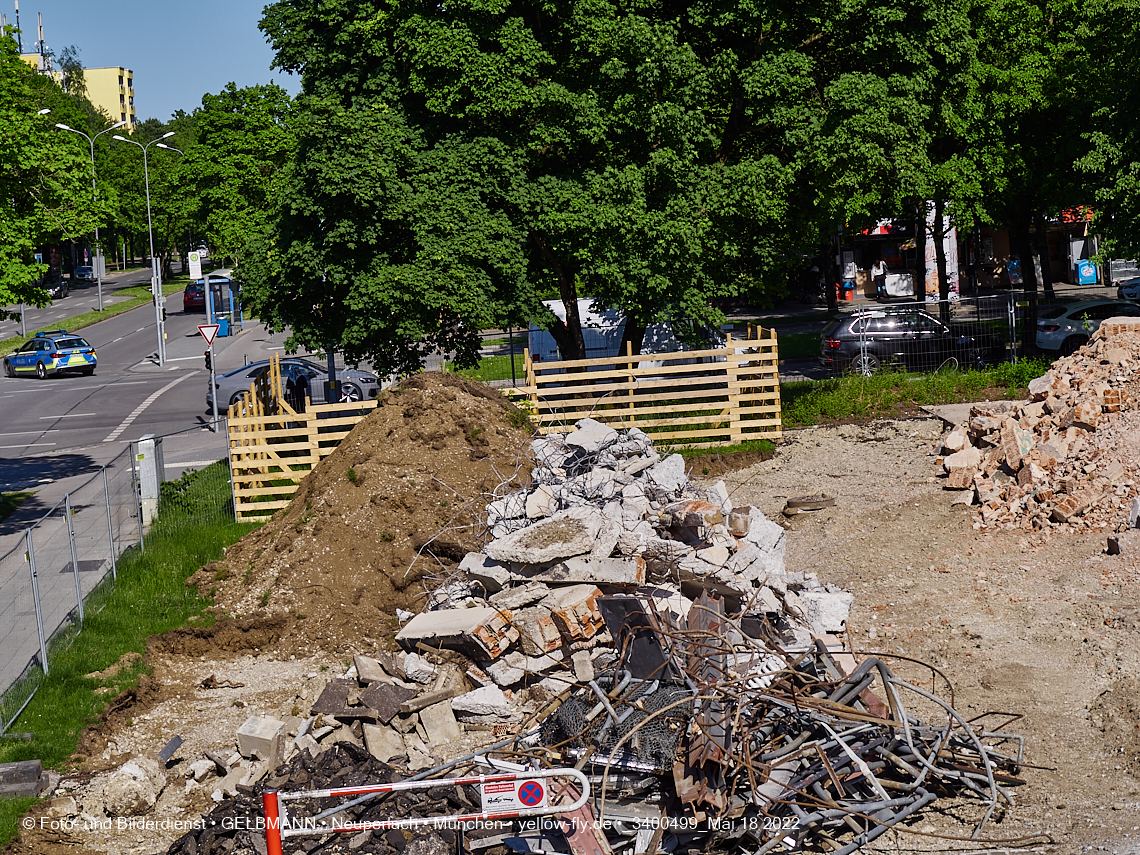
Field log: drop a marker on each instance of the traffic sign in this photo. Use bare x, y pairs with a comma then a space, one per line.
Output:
513, 795
195, 266
209, 332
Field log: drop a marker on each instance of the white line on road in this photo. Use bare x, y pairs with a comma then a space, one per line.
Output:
36, 432
29, 445
68, 416
138, 411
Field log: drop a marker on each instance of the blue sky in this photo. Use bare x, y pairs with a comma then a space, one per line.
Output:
177, 50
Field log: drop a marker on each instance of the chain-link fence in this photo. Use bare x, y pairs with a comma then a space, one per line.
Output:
73, 550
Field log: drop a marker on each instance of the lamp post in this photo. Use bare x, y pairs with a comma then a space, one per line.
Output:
94, 197
155, 273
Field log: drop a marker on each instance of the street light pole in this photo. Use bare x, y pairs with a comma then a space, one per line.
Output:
155, 273
95, 198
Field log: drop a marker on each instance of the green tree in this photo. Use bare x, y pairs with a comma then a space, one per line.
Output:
45, 180
233, 171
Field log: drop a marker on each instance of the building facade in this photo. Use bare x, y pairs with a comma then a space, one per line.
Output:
113, 91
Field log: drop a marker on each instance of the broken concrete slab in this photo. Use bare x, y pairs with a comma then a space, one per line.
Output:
383, 743
484, 631
669, 474
418, 669
439, 723
825, 611
492, 575
591, 436
512, 599
581, 569
574, 611
22, 778
369, 670
538, 634
384, 699
564, 535
542, 502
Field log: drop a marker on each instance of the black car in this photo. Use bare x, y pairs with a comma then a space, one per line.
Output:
866, 340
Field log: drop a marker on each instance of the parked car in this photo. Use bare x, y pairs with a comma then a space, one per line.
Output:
58, 290
1064, 328
1129, 289
866, 340
194, 298
84, 274
52, 352
356, 385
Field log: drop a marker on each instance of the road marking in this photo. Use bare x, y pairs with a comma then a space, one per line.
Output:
28, 445
181, 358
138, 411
120, 338
36, 432
68, 416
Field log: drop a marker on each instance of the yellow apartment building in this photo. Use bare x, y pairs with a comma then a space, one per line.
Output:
113, 91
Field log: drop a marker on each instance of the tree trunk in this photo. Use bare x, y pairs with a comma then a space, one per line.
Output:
634, 334
940, 259
568, 335
1043, 248
1019, 236
830, 273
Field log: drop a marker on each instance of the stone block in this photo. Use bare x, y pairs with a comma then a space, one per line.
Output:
1016, 442
961, 478
418, 669
967, 458
383, 743
524, 595
574, 611
439, 723
1031, 475
492, 575
583, 666
134, 788
21, 778
1040, 387
384, 699
1075, 504
484, 701
260, 737
695, 515
955, 441
568, 533
508, 670
715, 555
591, 436
825, 611
717, 494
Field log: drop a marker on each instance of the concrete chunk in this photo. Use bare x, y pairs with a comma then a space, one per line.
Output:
825, 611
591, 436
537, 633
369, 670
486, 700
605, 571
492, 575
542, 502
574, 611
669, 474
260, 737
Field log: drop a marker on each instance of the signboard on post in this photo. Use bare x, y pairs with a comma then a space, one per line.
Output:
195, 266
209, 332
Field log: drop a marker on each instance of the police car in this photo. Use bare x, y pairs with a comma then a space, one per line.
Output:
52, 352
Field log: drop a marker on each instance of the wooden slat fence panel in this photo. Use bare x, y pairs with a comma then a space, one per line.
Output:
700, 398
273, 447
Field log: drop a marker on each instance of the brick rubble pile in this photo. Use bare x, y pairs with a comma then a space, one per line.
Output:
1059, 459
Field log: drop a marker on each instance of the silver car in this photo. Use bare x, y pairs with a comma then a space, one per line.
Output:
1129, 289
355, 385
1065, 328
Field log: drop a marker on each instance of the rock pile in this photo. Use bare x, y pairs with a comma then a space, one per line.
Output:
1057, 459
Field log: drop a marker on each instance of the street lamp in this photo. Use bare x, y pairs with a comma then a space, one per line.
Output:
155, 275
95, 198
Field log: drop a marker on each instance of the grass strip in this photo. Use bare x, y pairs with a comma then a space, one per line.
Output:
493, 368
194, 523
139, 295
885, 394
10, 501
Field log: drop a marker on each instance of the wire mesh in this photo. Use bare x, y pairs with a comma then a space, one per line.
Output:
51, 545
18, 634
122, 489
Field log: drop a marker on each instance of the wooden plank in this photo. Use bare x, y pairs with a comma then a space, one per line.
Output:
720, 407
643, 390
698, 369
648, 357
267, 490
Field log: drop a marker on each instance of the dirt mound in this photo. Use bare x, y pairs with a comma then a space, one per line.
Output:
225, 636
377, 522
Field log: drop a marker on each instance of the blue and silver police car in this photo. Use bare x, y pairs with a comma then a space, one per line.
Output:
52, 352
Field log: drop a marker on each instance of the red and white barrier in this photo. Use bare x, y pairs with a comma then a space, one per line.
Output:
510, 796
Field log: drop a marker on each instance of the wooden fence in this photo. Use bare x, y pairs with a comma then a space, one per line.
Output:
273, 446
696, 398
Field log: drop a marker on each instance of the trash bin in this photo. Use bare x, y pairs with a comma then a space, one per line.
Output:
223, 326
848, 291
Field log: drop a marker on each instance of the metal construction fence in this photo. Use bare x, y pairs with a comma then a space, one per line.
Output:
71, 552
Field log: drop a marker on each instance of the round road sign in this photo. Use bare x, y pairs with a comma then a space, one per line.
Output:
530, 793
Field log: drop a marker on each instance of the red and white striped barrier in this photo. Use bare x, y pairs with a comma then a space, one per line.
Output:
509, 796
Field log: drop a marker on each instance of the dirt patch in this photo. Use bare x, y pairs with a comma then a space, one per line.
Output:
1116, 714
112, 671
715, 464
225, 636
123, 709
378, 522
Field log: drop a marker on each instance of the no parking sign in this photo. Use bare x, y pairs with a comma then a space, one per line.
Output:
514, 795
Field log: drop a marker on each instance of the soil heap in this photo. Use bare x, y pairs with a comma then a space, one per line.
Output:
400, 498
1067, 457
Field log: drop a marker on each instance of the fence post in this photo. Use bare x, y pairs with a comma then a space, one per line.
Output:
138, 501
36, 599
110, 525
632, 383
74, 557
732, 371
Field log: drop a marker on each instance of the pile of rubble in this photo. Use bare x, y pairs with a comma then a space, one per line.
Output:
1061, 457
624, 623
